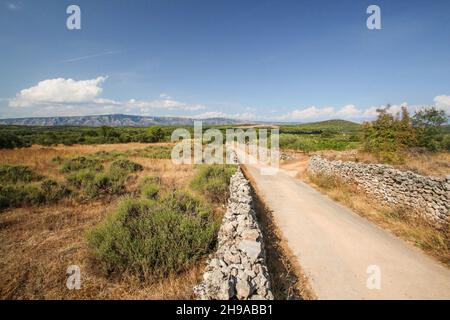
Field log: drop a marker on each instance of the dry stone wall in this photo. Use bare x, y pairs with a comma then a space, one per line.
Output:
429, 196
237, 270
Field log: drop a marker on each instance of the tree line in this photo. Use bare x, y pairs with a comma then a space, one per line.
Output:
391, 136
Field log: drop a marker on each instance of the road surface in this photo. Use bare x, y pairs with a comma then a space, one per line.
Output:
343, 255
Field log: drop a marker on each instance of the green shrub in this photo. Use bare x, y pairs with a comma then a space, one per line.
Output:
14, 174
95, 184
80, 178
12, 196
105, 184
58, 159
154, 238
149, 187
389, 136
11, 141
53, 191
148, 180
315, 142
428, 123
185, 203
17, 195
126, 166
150, 191
106, 155
213, 181
446, 142
80, 163
154, 134
153, 152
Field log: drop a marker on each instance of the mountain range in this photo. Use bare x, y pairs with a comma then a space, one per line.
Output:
116, 120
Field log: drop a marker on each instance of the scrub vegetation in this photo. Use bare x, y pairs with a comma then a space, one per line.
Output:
122, 212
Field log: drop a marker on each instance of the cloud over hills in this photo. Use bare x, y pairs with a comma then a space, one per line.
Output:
63, 97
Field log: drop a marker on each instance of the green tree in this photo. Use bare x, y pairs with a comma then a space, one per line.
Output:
428, 124
389, 136
155, 134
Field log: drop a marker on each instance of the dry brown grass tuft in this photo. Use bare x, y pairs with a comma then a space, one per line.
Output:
37, 244
399, 221
39, 158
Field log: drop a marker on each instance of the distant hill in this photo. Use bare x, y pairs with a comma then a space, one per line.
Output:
331, 125
114, 120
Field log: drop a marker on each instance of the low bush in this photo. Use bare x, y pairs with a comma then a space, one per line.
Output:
12, 196
316, 142
80, 178
213, 181
149, 187
150, 191
125, 166
153, 152
11, 141
154, 238
106, 155
95, 184
14, 174
105, 184
17, 195
57, 159
53, 191
80, 163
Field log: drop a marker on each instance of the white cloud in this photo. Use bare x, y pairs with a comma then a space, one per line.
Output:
348, 110
64, 93
442, 100
220, 114
62, 96
394, 109
167, 103
307, 113
60, 91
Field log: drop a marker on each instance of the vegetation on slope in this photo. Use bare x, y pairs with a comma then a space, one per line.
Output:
154, 238
213, 181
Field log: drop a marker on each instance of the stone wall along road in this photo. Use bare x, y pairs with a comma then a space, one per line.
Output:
238, 268
428, 196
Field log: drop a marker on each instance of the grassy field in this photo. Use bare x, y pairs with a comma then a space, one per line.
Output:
112, 190
139, 226
324, 135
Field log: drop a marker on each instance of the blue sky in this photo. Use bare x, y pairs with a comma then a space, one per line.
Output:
264, 60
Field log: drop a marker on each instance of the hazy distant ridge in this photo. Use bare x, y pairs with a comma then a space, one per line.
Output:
116, 120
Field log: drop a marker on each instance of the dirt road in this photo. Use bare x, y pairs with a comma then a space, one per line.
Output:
342, 254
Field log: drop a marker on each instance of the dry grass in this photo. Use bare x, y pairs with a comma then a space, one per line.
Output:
399, 221
39, 158
37, 244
